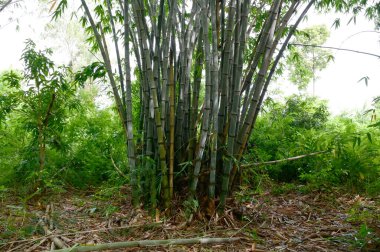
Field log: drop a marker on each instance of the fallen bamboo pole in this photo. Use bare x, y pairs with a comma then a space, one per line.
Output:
82, 232
284, 160
147, 243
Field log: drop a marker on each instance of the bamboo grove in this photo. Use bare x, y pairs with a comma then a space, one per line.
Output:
203, 71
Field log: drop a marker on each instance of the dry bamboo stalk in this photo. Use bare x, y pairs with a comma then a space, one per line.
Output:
147, 243
35, 246
284, 160
57, 242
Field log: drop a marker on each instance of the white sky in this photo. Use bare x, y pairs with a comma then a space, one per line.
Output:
338, 83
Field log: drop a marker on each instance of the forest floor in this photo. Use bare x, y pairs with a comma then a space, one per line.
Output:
290, 221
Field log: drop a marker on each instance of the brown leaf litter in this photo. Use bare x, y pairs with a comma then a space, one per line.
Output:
290, 222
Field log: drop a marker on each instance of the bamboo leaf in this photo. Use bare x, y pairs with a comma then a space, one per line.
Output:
336, 23
365, 79
330, 58
369, 136
375, 124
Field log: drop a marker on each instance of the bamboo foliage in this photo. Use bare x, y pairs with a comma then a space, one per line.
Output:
199, 96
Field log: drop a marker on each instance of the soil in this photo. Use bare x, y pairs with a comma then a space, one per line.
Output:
291, 221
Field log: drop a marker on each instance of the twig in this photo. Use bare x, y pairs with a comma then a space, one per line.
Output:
18, 248
147, 243
284, 160
240, 229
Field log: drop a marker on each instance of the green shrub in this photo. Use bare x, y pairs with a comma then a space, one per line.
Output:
301, 126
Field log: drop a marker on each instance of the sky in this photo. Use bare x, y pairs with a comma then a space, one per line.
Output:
338, 83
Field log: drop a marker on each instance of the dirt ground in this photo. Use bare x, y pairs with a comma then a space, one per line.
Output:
287, 222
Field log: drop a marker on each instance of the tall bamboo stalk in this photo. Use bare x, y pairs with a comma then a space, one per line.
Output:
206, 113
138, 12
171, 122
224, 69
215, 105
258, 85
195, 97
130, 136
238, 68
125, 113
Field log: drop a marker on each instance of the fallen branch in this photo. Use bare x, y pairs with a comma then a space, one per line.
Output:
146, 243
284, 160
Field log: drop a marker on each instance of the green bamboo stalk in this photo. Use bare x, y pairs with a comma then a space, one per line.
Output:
156, 110
166, 29
106, 59
258, 85
195, 97
127, 122
180, 98
206, 113
281, 51
128, 86
190, 39
260, 48
115, 39
172, 123
224, 68
215, 105
222, 20
238, 68
148, 167
256, 99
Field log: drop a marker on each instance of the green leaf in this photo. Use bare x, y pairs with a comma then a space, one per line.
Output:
369, 136
60, 9
330, 58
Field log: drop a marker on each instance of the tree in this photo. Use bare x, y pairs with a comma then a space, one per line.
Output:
182, 48
304, 59
42, 94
